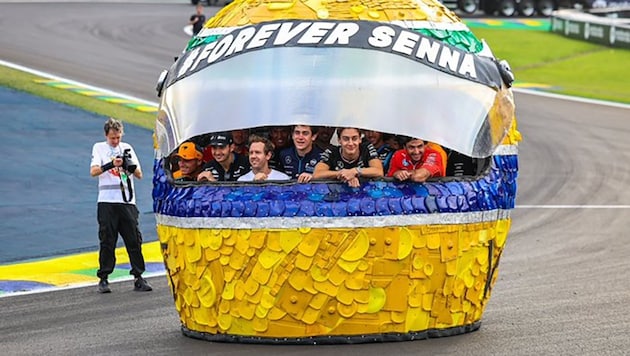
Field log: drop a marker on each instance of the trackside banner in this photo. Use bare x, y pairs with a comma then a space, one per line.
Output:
607, 34
367, 35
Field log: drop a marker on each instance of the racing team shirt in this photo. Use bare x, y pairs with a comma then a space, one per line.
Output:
333, 158
273, 175
239, 167
385, 154
431, 160
294, 165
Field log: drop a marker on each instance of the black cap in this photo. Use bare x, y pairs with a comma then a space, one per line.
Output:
221, 139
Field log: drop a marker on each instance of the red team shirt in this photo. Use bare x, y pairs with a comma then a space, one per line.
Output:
431, 160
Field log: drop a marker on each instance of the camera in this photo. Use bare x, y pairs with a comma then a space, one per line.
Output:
126, 157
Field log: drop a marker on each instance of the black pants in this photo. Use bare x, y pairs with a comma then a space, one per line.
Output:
114, 218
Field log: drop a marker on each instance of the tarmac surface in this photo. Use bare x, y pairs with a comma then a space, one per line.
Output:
562, 287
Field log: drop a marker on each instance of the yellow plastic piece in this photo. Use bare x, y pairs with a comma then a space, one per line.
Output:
309, 245
405, 243
357, 249
289, 240
269, 258
207, 294
377, 300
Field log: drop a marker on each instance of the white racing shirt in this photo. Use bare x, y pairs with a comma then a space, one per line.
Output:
273, 175
109, 182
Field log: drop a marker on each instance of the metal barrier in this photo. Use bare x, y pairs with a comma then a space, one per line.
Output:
609, 27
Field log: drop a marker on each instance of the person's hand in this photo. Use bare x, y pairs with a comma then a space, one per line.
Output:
420, 175
260, 176
402, 175
118, 161
354, 182
346, 175
304, 178
206, 175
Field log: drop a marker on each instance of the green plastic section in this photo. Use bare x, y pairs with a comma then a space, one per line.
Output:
464, 40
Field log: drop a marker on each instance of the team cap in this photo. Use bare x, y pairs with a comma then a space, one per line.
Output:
188, 150
221, 139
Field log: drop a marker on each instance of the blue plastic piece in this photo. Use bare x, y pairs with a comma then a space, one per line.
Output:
251, 209
226, 209
382, 206
339, 208
291, 208
455, 188
307, 208
324, 209
367, 207
238, 209
407, 205
441, 203
431, 204
262, 210
395, 206
354, 207
421, 190
276, 208
418, 205
215, 209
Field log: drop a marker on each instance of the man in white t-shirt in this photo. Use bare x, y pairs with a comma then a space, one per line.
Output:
260, 152
115, 164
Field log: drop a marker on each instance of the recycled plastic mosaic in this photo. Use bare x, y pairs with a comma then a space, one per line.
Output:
296, 283
308, 282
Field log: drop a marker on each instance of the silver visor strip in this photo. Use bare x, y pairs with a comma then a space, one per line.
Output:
506, 150
331, 222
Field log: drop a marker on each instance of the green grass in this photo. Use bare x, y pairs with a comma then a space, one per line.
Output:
572, 67
22, 81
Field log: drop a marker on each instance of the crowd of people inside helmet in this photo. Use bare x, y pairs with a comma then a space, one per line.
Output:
303, 153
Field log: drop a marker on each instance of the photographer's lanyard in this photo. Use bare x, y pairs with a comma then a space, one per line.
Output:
124, 176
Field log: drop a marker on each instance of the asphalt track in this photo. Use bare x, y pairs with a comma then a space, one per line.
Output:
563, 287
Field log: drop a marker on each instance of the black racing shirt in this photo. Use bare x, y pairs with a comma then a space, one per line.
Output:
240, 166
385, 154
294, 165
274, 162
332, 158
197, 26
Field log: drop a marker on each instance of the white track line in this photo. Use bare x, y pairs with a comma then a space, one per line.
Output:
87, 86
571, 98
572, 207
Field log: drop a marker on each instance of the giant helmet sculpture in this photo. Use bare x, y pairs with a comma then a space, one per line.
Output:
284, 262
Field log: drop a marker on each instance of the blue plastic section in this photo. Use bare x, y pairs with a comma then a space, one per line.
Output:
495, 190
